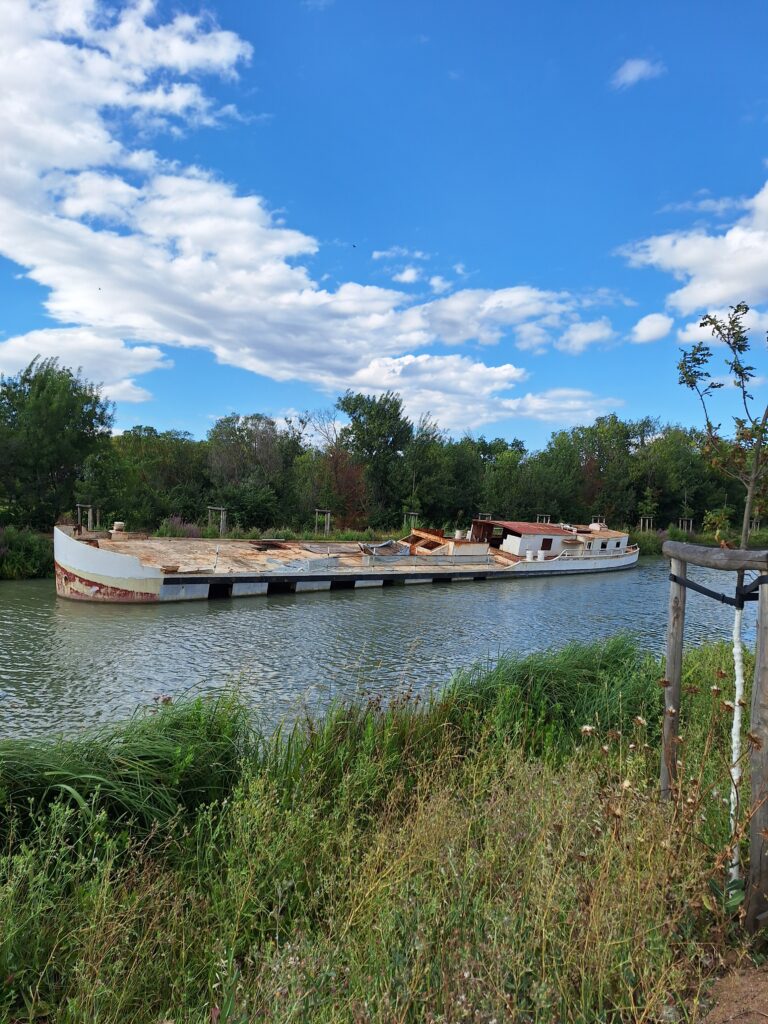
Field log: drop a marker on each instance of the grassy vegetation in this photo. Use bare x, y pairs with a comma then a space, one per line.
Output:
177, 527
24, 554
473, 856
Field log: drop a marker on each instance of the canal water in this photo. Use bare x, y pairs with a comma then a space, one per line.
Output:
66, 665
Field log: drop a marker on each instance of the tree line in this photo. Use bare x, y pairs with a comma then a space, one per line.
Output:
365, 460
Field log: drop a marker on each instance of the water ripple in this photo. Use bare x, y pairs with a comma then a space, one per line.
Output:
65, 665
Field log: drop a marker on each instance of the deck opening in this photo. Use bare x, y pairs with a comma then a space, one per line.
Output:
281, 587
219, 591
343, 584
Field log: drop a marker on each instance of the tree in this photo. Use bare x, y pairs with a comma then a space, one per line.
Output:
51, 421
378, 434
241, 446
741, 457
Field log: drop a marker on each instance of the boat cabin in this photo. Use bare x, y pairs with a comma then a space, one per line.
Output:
547, 540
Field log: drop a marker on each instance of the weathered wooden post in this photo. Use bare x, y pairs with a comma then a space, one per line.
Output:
757, 883
673, 677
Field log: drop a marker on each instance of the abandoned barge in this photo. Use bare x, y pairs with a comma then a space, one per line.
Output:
119, 566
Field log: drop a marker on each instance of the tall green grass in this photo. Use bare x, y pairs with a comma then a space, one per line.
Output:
475, 854
24, 554
167, 761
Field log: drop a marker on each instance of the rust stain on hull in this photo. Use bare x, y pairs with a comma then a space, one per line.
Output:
79, 588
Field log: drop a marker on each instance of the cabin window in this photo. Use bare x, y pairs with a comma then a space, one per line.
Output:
589, 545
603, 545
618, 543
546, 544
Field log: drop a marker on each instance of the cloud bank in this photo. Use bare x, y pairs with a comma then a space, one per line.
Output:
138, 254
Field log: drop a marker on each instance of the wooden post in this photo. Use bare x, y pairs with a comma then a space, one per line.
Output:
757, 883
673, 675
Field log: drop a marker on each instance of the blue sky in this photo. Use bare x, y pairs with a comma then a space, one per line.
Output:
512, 214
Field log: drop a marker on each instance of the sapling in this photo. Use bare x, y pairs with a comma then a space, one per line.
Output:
740, 457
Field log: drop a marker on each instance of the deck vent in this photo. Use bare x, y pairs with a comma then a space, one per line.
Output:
219, 591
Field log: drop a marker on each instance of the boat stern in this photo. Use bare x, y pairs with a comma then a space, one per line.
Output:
86, 573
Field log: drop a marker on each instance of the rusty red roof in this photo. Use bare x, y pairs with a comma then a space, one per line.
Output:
539, 529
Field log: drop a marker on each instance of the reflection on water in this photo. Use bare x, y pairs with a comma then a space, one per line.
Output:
65, 665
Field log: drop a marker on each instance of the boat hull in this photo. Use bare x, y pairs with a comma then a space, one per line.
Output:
85, 572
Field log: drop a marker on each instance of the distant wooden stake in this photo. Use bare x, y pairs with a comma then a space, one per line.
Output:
673, 674
757, 883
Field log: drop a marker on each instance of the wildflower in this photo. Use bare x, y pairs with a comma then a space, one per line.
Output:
728, 705
671, 712
755, 741
587, 730
626, 784
604, 748
715, 690
614, 734
664, 683
639, 720
720, 674
633, 746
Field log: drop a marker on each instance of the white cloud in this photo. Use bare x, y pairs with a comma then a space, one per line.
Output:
136, 253
708, 204
580, 335
103, 359
408, 275
532, 337
719, 268
397, 252
439, 284
634, 70
460, 269
653, 327
459, 391
485, 315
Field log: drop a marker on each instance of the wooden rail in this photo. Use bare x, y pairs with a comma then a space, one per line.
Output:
729, 560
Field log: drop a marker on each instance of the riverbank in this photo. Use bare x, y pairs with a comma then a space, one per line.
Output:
477, 855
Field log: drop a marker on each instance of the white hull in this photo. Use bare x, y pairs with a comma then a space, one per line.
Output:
566, 563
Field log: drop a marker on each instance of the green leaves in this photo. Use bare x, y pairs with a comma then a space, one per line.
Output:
51, 420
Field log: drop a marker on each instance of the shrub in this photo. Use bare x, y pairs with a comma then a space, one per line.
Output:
24, 554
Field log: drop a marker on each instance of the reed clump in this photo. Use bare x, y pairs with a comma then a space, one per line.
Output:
492, 852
